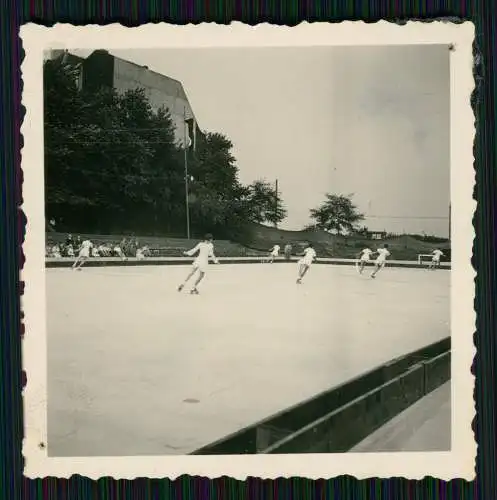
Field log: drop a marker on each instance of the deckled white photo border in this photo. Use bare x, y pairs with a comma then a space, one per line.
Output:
460, 462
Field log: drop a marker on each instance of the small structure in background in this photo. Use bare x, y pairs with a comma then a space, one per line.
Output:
376, 235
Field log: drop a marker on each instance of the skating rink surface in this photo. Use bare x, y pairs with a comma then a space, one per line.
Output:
136, 368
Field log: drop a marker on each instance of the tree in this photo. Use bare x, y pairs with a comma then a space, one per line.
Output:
336, 213
111, 161
215, 192
113, 165
263, 203
62, 108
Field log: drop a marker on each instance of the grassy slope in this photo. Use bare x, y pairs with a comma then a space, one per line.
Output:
328, 245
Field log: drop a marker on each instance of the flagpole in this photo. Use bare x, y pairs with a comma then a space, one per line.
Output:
185, 125
450, 220
276, 202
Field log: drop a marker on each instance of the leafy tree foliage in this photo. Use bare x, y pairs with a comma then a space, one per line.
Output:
337, 214
264, 204
112, 165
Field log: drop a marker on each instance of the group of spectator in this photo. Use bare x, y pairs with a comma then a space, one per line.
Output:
123, 249
68, 248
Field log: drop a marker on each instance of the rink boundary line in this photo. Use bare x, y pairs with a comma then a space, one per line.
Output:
65, 262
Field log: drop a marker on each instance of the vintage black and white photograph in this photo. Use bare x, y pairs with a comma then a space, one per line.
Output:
251, 250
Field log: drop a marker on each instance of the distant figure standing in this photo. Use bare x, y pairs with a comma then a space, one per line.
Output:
68, 243
364, 258
381, 260
435, 260
205, 250
83, 255
288, 251
124, 246
305, 262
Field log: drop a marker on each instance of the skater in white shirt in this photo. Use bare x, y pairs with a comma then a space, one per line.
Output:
274, 252
205, 251
305, 262
83, 255
381, 260
435, 260
364, 258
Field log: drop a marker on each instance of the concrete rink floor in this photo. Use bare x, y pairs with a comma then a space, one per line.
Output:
136, 368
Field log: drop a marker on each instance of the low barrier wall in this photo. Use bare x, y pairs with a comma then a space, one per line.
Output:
337, 419
65, 262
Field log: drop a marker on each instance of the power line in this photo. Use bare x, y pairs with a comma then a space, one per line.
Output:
98, 129
143, 142
421, 217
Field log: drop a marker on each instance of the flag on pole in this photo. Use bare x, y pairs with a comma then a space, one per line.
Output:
191, 134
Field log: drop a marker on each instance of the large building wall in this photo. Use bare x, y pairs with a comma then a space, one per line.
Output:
161, 91
102, 68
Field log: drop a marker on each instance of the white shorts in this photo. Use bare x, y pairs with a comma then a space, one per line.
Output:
304, 262
200, 266
274, 254
435, 260
380, 262
84, 254
364, 259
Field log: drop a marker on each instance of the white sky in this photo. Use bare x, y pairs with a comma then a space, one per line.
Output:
373, 121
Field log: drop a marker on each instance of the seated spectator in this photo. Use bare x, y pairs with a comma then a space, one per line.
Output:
56, 252
139, 254
70, 251
104, 250
95, 252
118, 251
